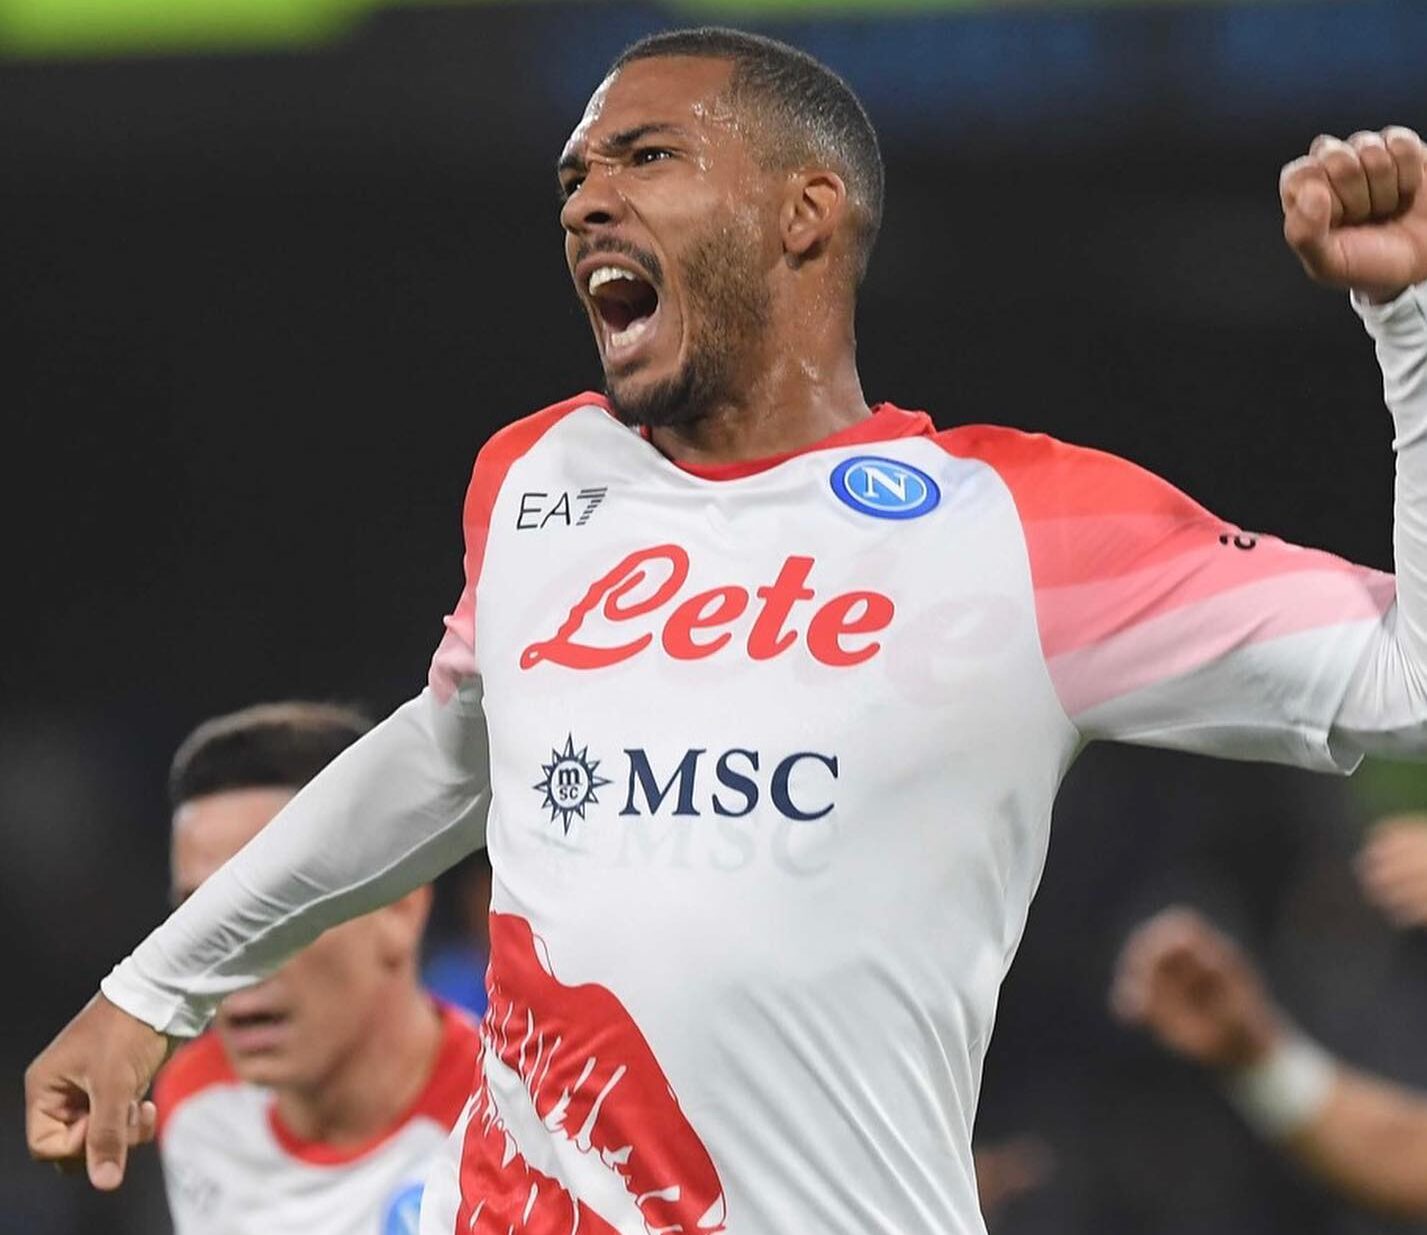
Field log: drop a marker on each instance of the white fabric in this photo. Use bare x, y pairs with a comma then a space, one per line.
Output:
1286, 1091
749, 985
1384, 709
227, 1174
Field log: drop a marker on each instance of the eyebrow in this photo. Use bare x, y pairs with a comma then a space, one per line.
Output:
618, 143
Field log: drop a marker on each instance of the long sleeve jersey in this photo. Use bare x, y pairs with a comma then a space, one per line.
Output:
764, 757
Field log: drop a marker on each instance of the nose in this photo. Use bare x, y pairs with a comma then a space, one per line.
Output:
596, 203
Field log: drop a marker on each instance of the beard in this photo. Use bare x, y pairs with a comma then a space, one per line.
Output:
728, 310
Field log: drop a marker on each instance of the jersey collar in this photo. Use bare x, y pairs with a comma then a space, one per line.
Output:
886, 423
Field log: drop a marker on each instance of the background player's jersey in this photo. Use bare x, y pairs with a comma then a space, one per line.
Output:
770, 753
232, 1168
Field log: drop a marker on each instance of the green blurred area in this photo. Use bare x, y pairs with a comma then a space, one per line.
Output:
1386, 787
138, 27
77, 27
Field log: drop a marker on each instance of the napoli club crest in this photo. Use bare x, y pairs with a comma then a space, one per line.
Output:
403, 1212
884, 488
571, 778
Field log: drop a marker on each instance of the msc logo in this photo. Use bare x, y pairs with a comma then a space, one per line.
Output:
884, 488
740, 784
570, 783
729, 785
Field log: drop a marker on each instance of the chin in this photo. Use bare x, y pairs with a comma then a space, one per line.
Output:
265, 1067
651, 401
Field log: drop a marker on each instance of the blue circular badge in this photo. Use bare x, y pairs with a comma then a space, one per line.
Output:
884, 488
403, 1212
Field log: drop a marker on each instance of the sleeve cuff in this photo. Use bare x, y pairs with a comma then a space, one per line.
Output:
1401, 319
155, 1009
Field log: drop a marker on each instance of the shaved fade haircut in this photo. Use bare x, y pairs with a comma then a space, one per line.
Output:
270, 746
807, 114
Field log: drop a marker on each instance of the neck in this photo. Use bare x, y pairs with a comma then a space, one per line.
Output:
799, 397
373, 1085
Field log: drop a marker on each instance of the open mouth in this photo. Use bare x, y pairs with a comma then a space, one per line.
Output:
253, 1031
627, 304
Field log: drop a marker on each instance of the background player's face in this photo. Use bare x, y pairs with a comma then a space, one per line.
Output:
662, 185
295, 1029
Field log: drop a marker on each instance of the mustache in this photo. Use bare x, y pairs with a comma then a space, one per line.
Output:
642, 258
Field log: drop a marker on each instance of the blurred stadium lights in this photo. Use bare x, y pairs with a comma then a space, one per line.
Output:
145, 27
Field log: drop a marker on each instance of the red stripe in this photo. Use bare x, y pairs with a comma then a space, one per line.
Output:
454, 661
198, 1066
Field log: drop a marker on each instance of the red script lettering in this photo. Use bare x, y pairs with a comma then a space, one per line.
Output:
699, 626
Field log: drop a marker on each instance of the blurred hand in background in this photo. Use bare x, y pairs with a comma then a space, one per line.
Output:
1392, 868
1009, 1169
1193, 988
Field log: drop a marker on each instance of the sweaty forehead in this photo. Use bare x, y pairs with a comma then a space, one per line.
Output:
689, 92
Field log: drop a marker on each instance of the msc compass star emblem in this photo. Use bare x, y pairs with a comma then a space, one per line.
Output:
570, 782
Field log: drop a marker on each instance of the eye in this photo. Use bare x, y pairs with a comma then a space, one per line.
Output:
569, 187
650, 154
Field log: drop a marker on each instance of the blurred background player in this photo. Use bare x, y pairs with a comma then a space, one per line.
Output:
315, 1103
1203, 998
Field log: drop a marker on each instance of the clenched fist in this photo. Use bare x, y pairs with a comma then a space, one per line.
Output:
1355, 213
1196, 992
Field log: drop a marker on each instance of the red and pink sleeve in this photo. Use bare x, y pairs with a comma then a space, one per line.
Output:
455, 660
1163, 624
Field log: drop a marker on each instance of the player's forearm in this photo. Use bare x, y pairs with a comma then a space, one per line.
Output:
387, 815
1364, 1138
1385, 708
1368, 1141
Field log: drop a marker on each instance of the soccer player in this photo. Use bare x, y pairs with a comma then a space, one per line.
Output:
760, 696
1202, 998
320, 1098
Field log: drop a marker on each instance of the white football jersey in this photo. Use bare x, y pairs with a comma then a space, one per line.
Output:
764, 757
231, 1167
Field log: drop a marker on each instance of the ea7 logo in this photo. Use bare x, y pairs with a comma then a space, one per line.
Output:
537, 508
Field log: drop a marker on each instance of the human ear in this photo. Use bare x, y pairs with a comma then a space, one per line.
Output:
812, 210
401, 925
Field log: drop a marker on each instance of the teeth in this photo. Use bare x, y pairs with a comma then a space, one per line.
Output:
608, 274
630, 334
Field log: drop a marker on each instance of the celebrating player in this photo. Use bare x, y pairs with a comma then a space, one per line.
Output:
323, 1094
760, 698
1194, 989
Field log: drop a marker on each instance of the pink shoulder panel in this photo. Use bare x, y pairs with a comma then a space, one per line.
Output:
1135, 582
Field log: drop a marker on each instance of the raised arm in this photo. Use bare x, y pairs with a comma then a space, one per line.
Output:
1201, 997
1165, 625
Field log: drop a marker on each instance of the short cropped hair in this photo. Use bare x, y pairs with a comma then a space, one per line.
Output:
270, 746
809, 113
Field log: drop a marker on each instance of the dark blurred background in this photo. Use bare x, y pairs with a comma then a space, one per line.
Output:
269, 283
